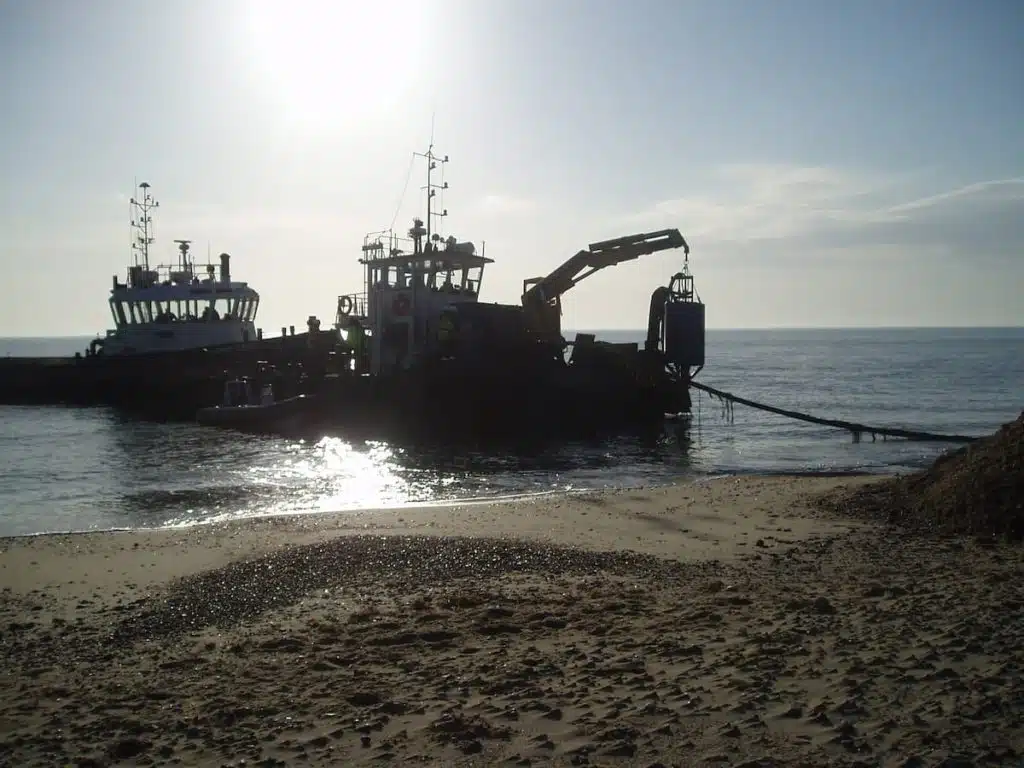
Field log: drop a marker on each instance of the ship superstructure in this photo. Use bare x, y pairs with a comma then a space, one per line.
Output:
408, 283
174, 307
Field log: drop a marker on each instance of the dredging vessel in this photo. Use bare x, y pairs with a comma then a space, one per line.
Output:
425, 356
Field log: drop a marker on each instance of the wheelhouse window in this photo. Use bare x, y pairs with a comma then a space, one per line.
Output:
117, 309
126, 313
445, 275
243, 309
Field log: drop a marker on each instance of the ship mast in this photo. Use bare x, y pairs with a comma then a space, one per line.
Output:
142, 224
432, 161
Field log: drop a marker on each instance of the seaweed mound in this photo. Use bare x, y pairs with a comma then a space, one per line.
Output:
976, 490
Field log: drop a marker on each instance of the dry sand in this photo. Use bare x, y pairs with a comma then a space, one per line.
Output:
726, 623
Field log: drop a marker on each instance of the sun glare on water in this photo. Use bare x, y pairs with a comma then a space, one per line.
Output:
335, 475
324, 62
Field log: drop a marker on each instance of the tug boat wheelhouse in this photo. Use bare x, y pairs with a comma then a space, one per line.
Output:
172, 308
409, 284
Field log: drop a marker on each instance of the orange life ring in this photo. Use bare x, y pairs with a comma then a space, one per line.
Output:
401, 305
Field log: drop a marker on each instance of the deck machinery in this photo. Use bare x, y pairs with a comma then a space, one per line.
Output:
542, 296
676, 322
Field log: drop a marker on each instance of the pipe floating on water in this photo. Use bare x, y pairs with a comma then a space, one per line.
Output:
857, 429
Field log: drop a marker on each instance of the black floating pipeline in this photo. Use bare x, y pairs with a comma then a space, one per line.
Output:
858, 430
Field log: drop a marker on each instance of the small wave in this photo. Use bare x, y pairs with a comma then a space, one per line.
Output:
210, 497
221, 519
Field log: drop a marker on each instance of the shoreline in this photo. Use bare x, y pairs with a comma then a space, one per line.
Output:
511, 498
689, 521
723, 623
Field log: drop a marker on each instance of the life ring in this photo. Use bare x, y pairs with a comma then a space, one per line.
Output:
345, 305
401, 304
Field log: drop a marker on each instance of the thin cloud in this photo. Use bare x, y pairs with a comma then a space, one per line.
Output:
998, 190
819, 210
767, 183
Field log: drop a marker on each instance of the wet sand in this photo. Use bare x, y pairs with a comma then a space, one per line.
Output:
725, 623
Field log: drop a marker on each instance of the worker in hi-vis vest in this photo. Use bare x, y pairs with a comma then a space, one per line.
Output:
445, 329
357, 343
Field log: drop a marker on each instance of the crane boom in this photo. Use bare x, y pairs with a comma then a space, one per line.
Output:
542, 295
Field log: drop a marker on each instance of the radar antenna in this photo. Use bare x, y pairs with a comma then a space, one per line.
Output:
142, 224
183, 246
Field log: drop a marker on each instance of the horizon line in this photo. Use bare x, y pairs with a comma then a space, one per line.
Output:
825, 328
710, 328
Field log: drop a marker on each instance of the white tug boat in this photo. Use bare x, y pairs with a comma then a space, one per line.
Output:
173, 308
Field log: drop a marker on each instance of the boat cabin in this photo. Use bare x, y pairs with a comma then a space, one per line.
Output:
409, 282
175, 307
166, 296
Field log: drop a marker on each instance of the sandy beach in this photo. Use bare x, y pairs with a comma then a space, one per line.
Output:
726, 623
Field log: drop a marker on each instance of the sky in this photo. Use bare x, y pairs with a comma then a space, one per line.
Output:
831, 164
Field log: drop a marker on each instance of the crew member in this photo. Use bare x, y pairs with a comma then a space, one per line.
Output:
446, 331
357, 343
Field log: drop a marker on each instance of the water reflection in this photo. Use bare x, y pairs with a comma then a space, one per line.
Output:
173, 474
111, 472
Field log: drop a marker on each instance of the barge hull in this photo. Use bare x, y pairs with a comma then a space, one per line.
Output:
171, 385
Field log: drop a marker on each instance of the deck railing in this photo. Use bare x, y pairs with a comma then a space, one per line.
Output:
350, 305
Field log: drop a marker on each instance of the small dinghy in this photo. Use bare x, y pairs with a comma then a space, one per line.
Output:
242, 410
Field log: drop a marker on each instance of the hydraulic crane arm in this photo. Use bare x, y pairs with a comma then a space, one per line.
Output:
542, 296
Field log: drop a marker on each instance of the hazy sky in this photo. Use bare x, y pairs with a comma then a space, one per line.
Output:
831, 163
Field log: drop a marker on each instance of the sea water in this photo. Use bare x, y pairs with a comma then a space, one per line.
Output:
74, 469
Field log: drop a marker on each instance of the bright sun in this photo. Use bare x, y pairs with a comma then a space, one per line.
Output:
322, 62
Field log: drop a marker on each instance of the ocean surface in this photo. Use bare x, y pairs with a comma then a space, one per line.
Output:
76, 469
